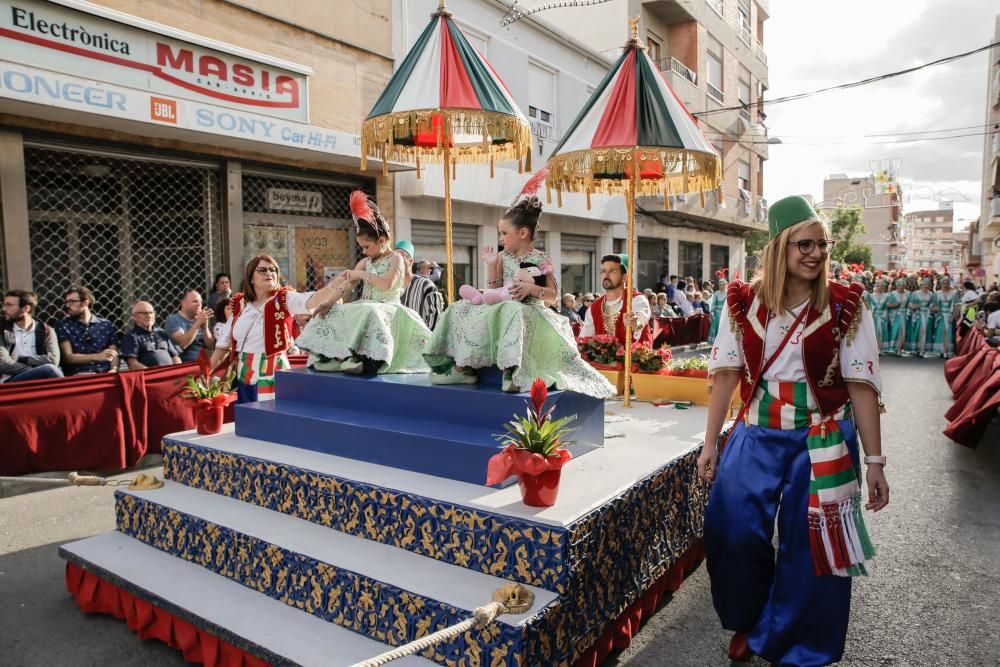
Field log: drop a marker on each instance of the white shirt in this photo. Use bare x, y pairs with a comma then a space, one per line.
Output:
249, 329
680, 298
640, 306
993, 321
24, 341
858, 360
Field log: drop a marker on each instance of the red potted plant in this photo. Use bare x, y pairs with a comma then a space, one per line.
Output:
208, 395
605, 354
535, 451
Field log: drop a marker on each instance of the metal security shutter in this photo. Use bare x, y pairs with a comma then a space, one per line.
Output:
574, 242
424, 232
128, 226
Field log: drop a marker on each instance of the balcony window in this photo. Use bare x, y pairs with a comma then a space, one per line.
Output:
677, 67
715, 78
655, 49
743, 23
717, 6
541, 101
743, 175
744, 95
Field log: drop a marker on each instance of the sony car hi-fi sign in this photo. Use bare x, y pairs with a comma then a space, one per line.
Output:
130, 52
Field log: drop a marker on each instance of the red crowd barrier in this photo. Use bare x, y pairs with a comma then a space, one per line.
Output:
92, 422
681, 330
974, 379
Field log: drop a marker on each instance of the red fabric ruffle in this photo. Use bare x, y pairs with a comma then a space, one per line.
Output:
619, 634
98, 596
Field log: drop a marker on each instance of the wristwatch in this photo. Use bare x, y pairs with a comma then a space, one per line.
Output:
875, 459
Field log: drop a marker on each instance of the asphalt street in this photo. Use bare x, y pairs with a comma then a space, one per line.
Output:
933, 597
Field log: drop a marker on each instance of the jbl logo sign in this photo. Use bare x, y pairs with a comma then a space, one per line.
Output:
163, 110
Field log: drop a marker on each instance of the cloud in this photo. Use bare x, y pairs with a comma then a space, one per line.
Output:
856, 39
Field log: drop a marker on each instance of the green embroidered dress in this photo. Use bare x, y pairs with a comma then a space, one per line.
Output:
525, 337
378, 326
941, 328
880, 314
718, 303
918, 312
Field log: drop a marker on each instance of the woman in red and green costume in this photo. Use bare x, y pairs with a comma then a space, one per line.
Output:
801, 350
260, 331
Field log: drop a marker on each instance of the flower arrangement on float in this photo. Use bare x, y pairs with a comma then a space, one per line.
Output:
673, 380
535, 450
208, 395
604, 353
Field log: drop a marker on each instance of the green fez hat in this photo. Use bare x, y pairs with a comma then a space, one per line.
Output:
624, 258
787, 212
406, 247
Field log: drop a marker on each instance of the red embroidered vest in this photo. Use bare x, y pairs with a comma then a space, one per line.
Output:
820, 340
597, 314
277, 322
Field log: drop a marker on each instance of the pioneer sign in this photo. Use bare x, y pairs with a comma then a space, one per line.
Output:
103, 45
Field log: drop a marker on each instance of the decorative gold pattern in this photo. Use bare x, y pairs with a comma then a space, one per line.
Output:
604, 171
606, 560
504, 137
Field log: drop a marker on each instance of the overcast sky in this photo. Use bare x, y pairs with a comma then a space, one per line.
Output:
811, 45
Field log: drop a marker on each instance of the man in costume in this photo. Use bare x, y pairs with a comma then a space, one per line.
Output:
604, 315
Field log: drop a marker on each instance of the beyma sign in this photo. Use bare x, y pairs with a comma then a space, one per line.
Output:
63, 39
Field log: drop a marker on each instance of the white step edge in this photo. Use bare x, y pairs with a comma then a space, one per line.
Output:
212, 602
451, 584
638, 441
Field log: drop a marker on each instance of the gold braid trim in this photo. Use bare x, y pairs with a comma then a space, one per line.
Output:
504, 137
603, 171
831, 370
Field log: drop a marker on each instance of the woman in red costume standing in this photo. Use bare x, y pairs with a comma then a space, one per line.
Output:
801, 350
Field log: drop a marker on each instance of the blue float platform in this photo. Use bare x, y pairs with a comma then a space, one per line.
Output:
364, 555
404, 421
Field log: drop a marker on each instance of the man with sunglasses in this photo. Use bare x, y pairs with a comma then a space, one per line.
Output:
89, 344
189, 326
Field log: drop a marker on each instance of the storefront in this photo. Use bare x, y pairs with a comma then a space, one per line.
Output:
140, 161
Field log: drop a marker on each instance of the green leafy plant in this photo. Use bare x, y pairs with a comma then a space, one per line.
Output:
645, 359
698, 362
538, 432
205, 385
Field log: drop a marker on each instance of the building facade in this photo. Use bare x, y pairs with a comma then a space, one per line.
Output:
984, 238
145, 147
879, 197
552, 61
930, 241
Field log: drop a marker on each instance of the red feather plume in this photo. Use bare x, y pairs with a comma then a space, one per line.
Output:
535, 182
361, 207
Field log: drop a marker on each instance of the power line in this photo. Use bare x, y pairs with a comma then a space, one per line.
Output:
867, 143
853, 84
981, 126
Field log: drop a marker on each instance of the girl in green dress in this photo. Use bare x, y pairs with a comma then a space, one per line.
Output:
880, 314
522, 337
941, 329
895, 306
918, 311
376, 334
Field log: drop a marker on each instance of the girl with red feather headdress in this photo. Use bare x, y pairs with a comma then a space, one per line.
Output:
376, 334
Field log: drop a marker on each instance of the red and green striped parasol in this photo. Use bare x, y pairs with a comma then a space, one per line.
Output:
634, 137
446, 104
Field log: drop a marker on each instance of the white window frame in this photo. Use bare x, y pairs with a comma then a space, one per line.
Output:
717, 93
537, 114
744, 184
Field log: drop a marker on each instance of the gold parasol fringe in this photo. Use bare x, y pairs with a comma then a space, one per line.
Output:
505, 137
603, 171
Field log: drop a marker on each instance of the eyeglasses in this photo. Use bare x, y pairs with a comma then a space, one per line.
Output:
69, 301
806, 246
264, 270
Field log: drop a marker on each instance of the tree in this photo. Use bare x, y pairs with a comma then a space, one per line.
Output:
858, 253
845, 224
755, 243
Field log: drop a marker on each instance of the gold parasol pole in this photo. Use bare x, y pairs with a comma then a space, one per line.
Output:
448, 245
630, 206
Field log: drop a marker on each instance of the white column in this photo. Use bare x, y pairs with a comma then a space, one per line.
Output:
553, 245
14, 196
675, 256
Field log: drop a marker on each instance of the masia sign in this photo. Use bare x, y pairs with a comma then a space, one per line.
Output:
119, 49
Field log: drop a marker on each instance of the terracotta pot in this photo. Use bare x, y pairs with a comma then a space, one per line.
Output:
539, 490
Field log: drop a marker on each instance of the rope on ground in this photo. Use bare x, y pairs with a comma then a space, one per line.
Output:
143, 481
481, 617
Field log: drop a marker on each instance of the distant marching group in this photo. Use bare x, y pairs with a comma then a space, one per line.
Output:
915, 314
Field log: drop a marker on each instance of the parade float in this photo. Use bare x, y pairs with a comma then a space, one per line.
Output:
351, 515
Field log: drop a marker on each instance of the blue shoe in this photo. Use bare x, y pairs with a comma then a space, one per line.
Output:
453, 376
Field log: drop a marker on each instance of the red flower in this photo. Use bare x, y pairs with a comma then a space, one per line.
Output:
204, 364
539, 394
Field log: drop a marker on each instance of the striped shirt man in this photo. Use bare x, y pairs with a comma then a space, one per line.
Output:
423, 296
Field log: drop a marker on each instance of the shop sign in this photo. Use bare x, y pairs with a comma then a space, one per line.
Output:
138, 54
303, 201
28, 84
